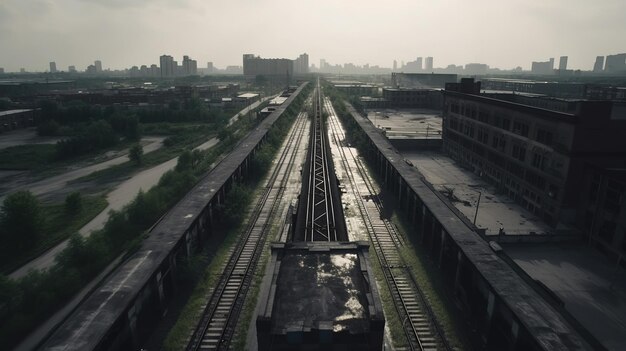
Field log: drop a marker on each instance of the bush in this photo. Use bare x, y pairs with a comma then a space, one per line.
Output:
135, 154
73, 203
21, 220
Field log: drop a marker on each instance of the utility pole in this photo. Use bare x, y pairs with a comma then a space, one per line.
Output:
477, 205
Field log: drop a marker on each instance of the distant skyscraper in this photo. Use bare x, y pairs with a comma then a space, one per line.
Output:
418, 64
395, 65
167, 66
71, 69
1, 70
53, 67
615, 63
209, 67
322, 64
429, 64
98, 65
563, 63
301, 64
190, 67
545, 68
599, 65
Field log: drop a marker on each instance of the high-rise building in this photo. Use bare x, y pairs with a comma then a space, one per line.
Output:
615, 63
418, 64
599, 65
190, 67
395, 65
209, 67
71, 69
301, 64
546, 67
563, 63
53, 67
272, 68
1, 70
167, 66
98, 65
323, 64
429, 64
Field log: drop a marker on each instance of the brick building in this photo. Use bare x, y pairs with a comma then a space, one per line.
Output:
534, 148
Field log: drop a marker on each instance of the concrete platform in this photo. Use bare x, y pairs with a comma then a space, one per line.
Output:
407, 123
495, 210
592, 290
322, 296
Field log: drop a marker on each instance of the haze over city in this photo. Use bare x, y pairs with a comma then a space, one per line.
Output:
125, 33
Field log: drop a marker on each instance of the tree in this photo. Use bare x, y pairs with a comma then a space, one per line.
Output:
136, 154
21, 219
185, 161
73, 203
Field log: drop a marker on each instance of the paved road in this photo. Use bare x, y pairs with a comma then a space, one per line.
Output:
58, 182
123, 194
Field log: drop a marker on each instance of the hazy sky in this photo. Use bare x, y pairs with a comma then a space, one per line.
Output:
123, 33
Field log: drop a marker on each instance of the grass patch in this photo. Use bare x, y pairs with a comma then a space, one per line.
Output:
392, 319
27, 157
191, 138
59, 225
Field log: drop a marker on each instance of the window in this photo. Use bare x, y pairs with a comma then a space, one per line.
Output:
454, 107
537, 160
483, 136
454, 124
519, 152
544, 137
506, 124
520, 128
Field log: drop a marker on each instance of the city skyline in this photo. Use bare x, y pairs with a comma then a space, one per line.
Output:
70, 32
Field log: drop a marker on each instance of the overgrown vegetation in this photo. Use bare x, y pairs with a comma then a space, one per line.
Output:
28, 301
29, 228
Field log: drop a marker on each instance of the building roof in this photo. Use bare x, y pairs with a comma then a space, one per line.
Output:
541, 112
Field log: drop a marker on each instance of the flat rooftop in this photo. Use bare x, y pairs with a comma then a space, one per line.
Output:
407, 123
592, 290
317, 287
321, 286
495, 209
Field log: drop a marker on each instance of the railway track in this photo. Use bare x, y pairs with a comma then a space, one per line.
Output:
418, 324
219, 317
322, 214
